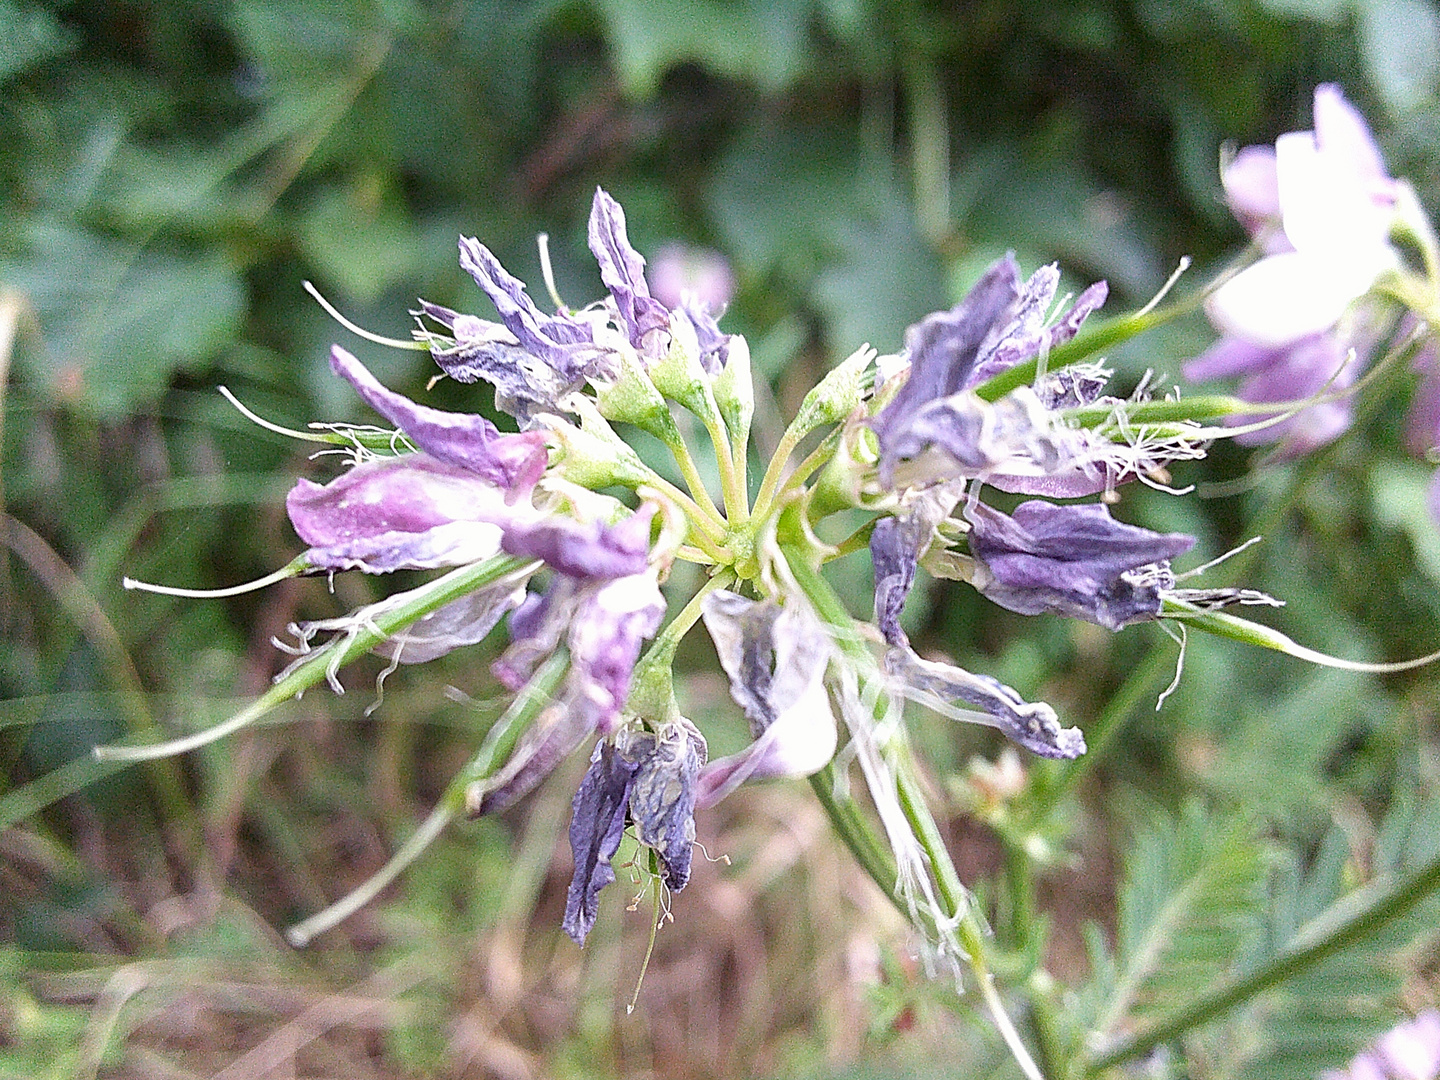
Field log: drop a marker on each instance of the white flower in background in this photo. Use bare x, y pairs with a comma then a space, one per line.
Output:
1336, 205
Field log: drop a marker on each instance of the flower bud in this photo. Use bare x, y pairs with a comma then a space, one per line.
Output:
678, 373
836, 395
592, 455
633, 399
735, 391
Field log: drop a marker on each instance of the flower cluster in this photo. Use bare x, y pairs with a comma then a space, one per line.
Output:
1001, 392
1302, 322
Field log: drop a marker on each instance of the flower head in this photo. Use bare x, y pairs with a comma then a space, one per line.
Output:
939, 429
1322, 206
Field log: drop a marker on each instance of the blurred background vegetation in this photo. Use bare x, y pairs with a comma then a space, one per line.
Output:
169, 174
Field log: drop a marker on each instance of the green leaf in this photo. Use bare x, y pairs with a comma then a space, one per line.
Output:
760, 41
29, 37
1399, 492
1316, 989
118, 320
364, 249
1190, 905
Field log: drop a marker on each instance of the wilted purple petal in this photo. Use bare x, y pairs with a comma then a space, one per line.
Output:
895, 555
942, 349
524, 384
590, 550
596, 825
1031, 725
622, 269
714, 343
465, 621
662, 798
1024, 335
1072, 560
776, 659
513, 462
1073, 387
1422, 426
402, 513
565, 344
556, 734
610, 627
896, 546
964, 435
537, 627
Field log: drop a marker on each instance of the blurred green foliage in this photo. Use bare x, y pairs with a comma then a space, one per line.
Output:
169, 174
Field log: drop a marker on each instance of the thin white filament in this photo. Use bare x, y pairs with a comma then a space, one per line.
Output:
254, 418
302, 933
1217, 561
289, 570
360, 331
1164, 289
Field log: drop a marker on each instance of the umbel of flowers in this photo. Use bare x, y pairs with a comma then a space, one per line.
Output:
998, 393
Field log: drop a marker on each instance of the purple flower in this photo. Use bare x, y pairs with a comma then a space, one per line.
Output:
943, 431
511, 462
776, 658
896, 546
1408, 1051
622, 269
643, 777
1423, 425
605, 625
1291, 373
524, 383
559, 341
535, 361
402, 513
1322, 205
1073, 560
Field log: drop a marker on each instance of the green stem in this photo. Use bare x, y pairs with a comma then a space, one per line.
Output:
504, 734
737, 501
813, 460
765, 496
953, 895
328, 658
703, 513
1095, 339
1373, 914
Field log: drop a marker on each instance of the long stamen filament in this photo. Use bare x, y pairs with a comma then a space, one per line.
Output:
294, 568
360, 331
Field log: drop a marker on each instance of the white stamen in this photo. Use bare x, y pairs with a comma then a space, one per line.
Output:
1169, 284
358, 331
1216, 562
266, 424
291, 569
542, 241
